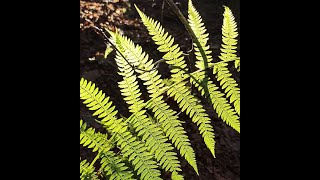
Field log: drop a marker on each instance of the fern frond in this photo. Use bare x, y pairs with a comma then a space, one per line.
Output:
166, 44
129, 145
138, 155
198, 27
87, 171
206, 86
95, 100
192, 106
110, 163
229, 35
155, 140
228, 53
181, 93
162, 112
113, 167
93, 140
229, 85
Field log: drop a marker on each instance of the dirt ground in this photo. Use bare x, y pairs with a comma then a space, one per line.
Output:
121, 14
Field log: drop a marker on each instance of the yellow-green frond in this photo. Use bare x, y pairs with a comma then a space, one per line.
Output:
87, 171
155, 140
113, 167
166, 45
228, 84
165, 116
93, 140
202, 81
228, 53
229, 35
129, 145
96, 100
110, 163
174, 57
193, 108
198, 27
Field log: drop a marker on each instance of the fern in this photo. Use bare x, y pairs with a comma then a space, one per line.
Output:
228, 53
207, 87
132, 148
110, 163
165, 116
154, 136
181, 93
144, 142
87, 171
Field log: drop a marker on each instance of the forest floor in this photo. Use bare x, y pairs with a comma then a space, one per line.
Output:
122, 14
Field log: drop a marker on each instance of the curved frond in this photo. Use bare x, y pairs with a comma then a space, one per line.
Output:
93, 140
181, 93
228, 53
156, 142
198, 27
129, 145
229, 85
162, 112
192, 106
202, 81
111, 164
113, 167
86, 171
166, 45
229, 35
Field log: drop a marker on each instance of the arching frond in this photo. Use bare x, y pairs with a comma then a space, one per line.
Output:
181, 93
166, 44
93, 140
129, 145
162, 112
229, 35
228, 53
86, 171
110, 163
155, 139
203, 82
195, 21
113, 167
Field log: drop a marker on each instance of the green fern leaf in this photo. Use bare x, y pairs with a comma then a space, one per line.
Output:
206, 86
228, 53
164, 115
129, 145
110, 163
113, 167
181, 93
87, 172
155, 140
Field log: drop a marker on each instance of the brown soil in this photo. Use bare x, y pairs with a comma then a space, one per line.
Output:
121, 14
